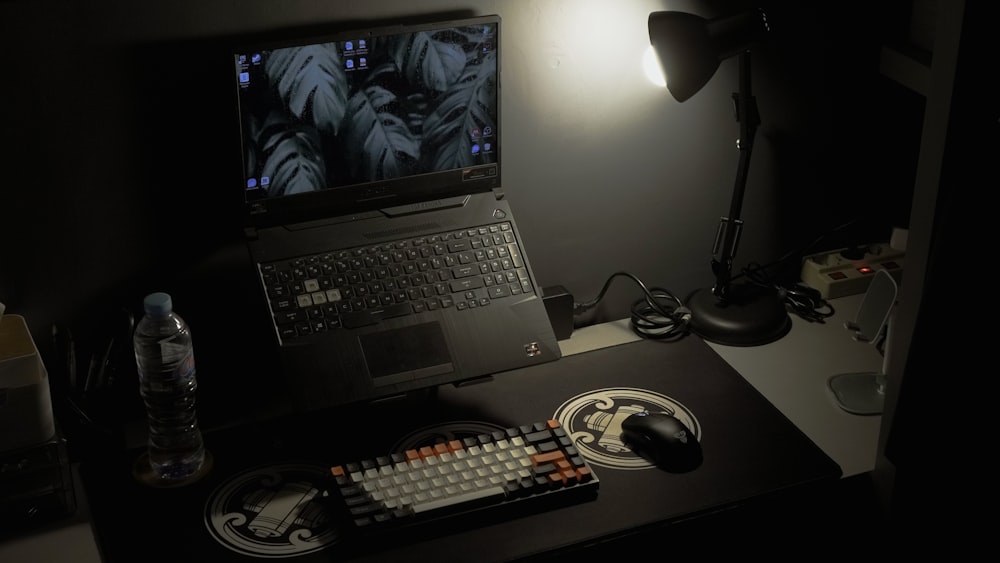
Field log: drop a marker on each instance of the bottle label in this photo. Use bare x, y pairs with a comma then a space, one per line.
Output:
185, 369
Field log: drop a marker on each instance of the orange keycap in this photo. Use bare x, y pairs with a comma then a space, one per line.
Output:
547, 457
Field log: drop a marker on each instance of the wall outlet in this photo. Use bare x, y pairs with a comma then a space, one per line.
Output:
836, 275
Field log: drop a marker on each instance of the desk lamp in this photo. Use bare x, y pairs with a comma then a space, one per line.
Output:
690, 49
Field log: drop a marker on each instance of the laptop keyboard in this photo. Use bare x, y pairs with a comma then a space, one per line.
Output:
512, 468
461, 269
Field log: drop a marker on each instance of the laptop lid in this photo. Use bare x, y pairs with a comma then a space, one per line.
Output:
368, 118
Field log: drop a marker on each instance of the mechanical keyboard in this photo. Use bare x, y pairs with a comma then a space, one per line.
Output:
516, 466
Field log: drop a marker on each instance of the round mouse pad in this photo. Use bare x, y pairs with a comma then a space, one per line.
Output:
594, 421
271, 511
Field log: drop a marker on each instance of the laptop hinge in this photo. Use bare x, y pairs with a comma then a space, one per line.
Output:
473, 381
498, 193
411, 208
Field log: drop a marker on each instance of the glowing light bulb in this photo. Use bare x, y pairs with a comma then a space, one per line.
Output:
651, 65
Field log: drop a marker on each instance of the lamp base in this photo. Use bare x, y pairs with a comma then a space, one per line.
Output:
751, 316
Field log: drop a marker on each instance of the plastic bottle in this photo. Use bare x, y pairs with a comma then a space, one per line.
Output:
164, 356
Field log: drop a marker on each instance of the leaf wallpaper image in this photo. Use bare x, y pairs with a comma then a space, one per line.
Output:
398, 106
293, 149
311, 82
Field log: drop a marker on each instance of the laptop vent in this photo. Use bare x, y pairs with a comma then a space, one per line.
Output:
393, 233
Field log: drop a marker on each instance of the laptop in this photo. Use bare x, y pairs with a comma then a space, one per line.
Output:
388, 258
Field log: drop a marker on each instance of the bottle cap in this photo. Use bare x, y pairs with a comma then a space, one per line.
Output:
158, 304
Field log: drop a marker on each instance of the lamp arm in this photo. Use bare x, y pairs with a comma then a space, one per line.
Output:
727, 238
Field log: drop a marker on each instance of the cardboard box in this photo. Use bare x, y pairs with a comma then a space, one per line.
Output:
25, 401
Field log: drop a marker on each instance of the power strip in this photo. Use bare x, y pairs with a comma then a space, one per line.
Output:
835, 275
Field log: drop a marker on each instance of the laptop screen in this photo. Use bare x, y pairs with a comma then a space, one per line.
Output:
370, 118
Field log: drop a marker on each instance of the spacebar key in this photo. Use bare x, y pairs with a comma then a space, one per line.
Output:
471, 499
371, 316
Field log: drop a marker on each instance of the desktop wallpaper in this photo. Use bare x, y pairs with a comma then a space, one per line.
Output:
373, 108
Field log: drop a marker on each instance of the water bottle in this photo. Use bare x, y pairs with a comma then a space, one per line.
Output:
164, 357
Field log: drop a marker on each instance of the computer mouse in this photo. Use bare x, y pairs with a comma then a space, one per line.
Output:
662, 439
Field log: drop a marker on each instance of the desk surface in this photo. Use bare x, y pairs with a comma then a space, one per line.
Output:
790, 373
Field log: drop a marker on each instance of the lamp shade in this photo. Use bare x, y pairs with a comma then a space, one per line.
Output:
690, 47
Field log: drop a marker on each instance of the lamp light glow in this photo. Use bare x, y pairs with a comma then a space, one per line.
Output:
652, 68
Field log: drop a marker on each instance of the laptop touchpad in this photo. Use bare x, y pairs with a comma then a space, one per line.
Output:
407, 353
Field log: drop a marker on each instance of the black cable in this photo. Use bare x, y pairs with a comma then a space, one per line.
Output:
658, 315
807, 303
756, 272
804, 301
661, 315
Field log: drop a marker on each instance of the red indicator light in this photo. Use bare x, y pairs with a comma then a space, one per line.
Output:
866, 270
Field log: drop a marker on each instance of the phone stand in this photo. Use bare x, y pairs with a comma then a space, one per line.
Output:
864, 393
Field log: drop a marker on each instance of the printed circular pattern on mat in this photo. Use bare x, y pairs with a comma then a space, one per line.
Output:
271, 511
441, 433
594, 422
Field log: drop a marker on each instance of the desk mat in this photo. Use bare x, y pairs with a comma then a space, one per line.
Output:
254, 502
